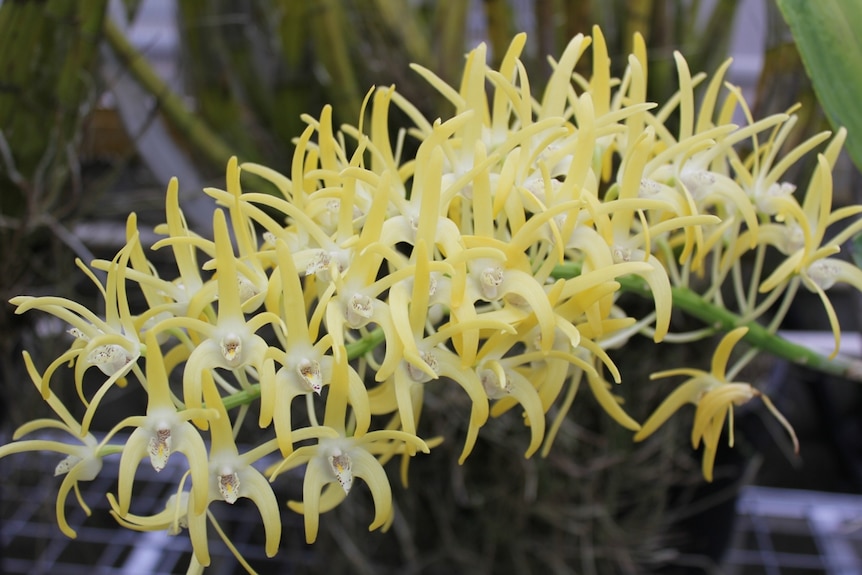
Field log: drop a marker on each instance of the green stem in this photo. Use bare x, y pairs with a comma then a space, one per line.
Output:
364, 345
354, 349
684, 299
244, 397
170, 103
720, 318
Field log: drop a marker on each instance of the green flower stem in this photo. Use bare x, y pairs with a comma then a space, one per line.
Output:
244, 397
720, 318
355, 349
684, 299
366, 344
170, 103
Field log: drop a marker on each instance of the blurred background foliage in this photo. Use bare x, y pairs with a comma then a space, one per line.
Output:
77, 152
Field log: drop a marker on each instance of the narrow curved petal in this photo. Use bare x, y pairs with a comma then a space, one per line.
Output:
609, 403
685, 393
522, 390
198, 535
714, 403
165, 519
369, 469
785, 270
525, 285
39, 445
710, 442
723, 351
450, 366
316, 476
834, 324
135, 450
191, 444
330, 498
85, 470
257, 488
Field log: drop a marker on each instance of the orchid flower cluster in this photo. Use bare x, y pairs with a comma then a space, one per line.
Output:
493, 260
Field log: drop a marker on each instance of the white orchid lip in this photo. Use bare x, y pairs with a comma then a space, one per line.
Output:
342, 469
495, 388
159, 447
309, 373
360, 310
231, 348
824, 273
490, 279
110, 358
229, 485
419, 375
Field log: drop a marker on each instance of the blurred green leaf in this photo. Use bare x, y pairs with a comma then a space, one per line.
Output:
827, 37
856, 250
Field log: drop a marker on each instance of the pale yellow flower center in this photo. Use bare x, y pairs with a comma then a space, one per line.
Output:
621, 254
231, 348
698, 183
495, 388
489, 281
66, 464
159, 447
247, 290
228, 485
824, 273
648, 188
417, 374
309, 372
764, 199
109, 358
341, 467
360, 308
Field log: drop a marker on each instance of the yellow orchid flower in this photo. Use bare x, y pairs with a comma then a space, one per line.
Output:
424, 356
232, 343
230, 475
111, 344
802, 238
161, 432
496, 258
186, 294
167, 298
338, 459
306, 368
714, 397
82, 462
252, 278
173, 519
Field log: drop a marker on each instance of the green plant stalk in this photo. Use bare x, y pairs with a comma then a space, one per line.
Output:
217, 62
688, 301
355, 349
449, 29
498, 16
713, 39
637, 17
170, 104
684, 300
290, 98
81, 51
402, 21
332, 44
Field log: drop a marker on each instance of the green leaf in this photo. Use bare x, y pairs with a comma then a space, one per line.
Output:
856, 250
826, 33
